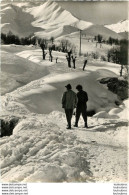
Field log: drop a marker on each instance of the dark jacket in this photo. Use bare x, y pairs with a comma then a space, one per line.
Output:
82, 98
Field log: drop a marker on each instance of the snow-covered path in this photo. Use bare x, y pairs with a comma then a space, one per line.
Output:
108, 159
107, 143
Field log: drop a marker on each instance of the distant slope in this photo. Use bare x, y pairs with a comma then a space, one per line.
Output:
122, 26
100, 29
57, 32
93, 31
124, 35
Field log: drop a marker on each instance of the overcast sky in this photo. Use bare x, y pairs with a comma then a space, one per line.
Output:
98, 12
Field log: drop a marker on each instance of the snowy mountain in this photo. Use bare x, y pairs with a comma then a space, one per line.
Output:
50, 19
47, 19
16, 20
122, 26
52, 16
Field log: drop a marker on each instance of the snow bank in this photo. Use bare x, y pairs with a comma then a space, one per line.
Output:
48, 155
104, 114
121, 112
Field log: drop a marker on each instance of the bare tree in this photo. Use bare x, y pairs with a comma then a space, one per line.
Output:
43, 46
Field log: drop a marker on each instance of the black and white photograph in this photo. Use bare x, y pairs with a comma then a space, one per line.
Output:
64, 91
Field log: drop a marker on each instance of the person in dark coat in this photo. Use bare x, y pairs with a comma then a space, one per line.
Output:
85, 62
81, 105
69, 102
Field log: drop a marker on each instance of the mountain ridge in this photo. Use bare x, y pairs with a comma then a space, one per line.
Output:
49, 19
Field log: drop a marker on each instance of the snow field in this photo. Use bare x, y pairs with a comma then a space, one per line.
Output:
42, 150
44, 95
50, 154
99, 97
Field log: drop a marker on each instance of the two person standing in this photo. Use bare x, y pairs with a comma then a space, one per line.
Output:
71, 100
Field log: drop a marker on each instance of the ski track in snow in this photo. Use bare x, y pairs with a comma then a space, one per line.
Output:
42, 150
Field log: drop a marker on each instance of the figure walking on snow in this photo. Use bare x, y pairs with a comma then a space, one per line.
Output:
85, 62
69, 101
81, 105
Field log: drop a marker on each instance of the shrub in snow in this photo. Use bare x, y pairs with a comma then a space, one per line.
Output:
103, 58
117, 86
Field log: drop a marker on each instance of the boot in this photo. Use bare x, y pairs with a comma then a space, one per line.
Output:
76, 125
85, 126
68, 127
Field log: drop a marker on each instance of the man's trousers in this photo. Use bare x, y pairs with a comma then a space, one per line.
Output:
79, 111
69, 113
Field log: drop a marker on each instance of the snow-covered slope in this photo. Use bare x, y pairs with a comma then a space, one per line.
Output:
56, 32
49, 89
16, 20
50, 15
91, 32
42, 150
49, 18
100, 29
122, 26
